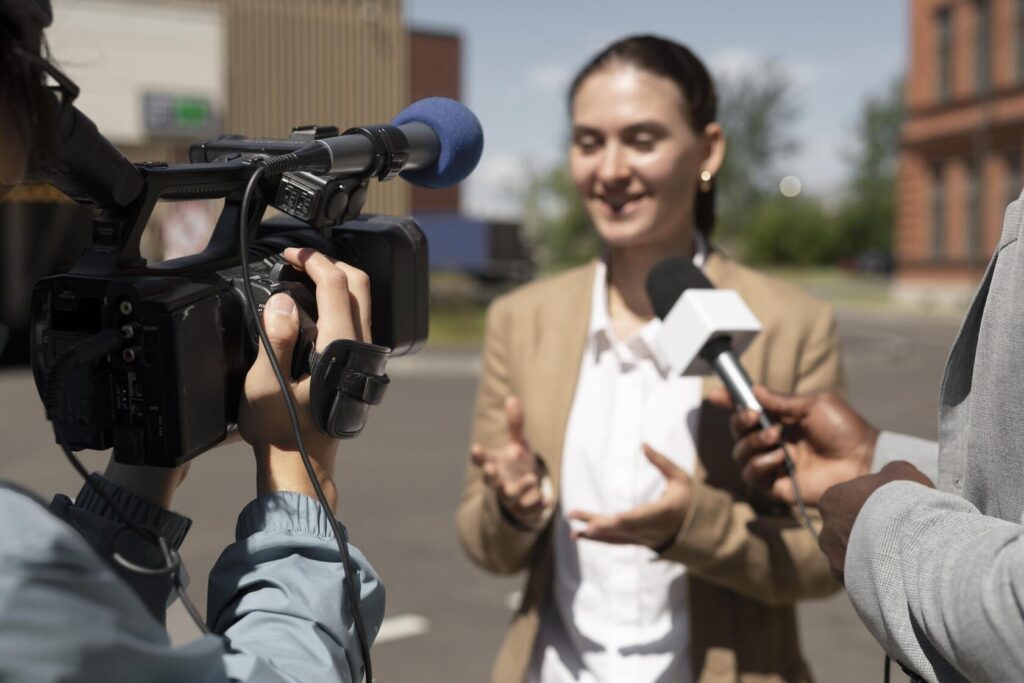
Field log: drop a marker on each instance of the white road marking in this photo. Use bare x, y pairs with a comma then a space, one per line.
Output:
402, 626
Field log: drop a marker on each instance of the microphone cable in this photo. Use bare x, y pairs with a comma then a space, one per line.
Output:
790, 465
350, 588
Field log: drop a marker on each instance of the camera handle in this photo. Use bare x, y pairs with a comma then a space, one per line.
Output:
117, 231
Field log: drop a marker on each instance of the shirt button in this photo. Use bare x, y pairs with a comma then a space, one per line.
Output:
958, 482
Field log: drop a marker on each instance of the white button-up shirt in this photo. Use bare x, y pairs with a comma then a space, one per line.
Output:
619, 614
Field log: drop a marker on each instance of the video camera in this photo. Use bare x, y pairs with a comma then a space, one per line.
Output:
151, 358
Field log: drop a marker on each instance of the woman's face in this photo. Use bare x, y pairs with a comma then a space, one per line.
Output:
635, 159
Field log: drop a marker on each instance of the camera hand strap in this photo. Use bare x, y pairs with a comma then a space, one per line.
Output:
347, 378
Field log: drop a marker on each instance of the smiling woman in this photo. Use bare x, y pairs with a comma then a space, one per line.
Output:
590, 460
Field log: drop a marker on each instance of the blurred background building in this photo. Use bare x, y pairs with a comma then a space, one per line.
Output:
960, 163
158, 75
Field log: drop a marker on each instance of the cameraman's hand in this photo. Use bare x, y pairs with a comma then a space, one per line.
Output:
829, 441
343, 303
514, 471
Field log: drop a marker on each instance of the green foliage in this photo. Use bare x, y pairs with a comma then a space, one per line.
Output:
867, 213
556, 222
793, 231
756, 110
802, 232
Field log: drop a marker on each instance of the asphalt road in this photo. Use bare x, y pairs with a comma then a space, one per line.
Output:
401, 480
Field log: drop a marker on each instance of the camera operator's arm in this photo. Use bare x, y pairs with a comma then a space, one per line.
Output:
277, 592
145, 494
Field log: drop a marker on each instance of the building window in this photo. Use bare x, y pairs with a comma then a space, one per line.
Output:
982, 46
944, 63
938, 213
975, 213
1019, 35
1013, 177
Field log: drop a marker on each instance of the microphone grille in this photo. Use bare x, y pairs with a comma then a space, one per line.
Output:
669, 279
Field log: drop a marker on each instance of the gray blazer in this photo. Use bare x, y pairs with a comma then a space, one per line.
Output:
938, 575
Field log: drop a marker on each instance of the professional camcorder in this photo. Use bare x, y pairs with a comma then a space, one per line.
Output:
150, 359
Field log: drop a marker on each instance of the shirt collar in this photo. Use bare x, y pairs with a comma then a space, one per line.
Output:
601, 336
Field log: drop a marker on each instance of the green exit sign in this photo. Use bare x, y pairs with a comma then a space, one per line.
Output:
172, 114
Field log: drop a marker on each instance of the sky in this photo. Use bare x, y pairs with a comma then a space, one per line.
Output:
519, 56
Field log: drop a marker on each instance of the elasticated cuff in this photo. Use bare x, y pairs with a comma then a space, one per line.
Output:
170, 525
284, 512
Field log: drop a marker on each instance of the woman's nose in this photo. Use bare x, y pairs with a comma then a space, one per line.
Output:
614, 166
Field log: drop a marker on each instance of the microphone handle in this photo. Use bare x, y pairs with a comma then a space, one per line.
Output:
424, 145
354, 153
738, 384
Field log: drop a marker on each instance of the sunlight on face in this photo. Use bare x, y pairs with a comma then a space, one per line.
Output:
635, 159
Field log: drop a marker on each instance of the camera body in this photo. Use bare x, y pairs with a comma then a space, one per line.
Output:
172, 390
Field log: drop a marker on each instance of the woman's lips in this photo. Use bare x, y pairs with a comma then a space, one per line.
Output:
620, 207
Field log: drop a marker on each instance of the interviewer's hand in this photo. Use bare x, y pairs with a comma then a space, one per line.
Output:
653, 524
513, 471
842, 503
343, 304
829, 441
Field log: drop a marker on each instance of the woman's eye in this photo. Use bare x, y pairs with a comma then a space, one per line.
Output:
644, 143
587, 143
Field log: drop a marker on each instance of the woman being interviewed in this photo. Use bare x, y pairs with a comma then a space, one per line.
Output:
590, 461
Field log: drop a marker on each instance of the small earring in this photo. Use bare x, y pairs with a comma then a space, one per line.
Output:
705, 181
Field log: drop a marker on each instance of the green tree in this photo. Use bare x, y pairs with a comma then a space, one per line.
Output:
756, 110
555, 220
866, 215
792, 231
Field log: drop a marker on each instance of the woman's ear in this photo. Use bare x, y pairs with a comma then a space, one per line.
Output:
716, 148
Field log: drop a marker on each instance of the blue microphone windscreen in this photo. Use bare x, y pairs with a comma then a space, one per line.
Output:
460, 135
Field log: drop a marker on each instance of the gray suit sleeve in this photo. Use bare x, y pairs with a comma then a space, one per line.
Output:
938, 584
921, 453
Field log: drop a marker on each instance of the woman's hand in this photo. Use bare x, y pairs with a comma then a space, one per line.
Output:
514, 471
343, 303
652, 524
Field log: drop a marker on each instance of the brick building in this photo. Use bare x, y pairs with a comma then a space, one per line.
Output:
962, 140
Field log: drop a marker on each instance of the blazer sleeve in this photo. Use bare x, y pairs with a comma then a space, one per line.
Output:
765, 555
939, 584
487, 535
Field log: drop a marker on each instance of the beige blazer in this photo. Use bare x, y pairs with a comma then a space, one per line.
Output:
748, 561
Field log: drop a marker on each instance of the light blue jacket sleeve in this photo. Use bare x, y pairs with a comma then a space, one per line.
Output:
276, 601
277, 595
939, 584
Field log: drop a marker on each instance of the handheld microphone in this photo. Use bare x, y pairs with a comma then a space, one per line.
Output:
435, 142
703, 328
